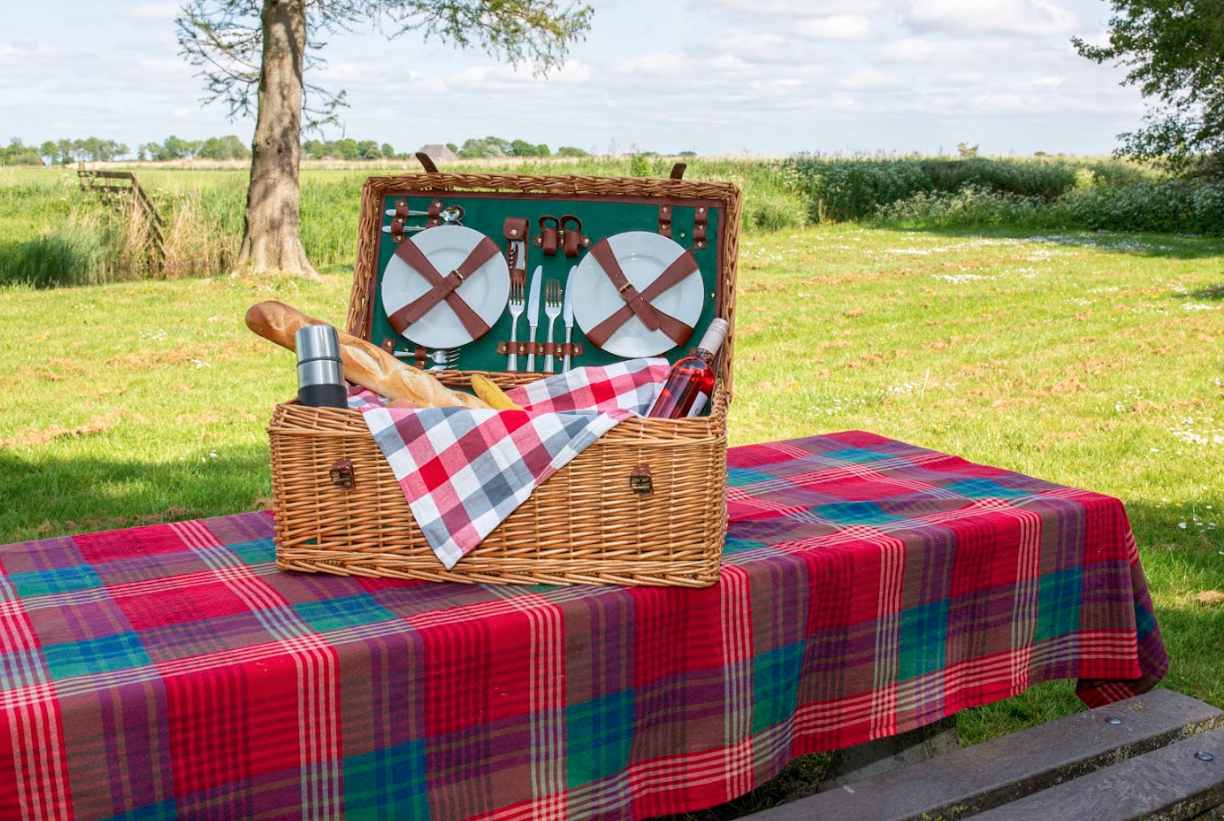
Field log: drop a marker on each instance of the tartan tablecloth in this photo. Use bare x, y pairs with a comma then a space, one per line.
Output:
869, 587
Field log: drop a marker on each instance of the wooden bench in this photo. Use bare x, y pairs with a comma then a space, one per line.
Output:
1156, 756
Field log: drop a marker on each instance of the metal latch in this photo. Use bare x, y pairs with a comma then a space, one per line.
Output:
341, 474
640, 481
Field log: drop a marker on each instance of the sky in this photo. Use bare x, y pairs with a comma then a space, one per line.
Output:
719, 77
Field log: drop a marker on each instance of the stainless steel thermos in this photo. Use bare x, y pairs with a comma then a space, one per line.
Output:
320, 372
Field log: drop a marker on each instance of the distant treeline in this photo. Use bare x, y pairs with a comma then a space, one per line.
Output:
472, 149
229, 147
95, 149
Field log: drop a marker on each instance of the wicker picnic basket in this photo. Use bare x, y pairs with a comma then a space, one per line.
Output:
644, 505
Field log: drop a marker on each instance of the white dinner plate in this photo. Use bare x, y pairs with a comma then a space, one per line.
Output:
642, 256
486, 290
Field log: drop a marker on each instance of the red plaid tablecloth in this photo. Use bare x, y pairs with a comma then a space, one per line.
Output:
869, 587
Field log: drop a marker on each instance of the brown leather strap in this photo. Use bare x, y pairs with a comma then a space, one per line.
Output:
683, 267
607, 261
571, 229
677, 172
548, 235
515, 230
399, 220
426, 162
701, 219
443, 287
433, 214
665, 218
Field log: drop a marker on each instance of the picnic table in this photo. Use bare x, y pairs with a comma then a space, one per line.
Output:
869, 587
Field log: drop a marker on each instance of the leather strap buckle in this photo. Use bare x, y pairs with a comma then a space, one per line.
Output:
639, 302
444, 288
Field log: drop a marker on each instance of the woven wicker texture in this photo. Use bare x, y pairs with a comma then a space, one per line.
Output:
585, 525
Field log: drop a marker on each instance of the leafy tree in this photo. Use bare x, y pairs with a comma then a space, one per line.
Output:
18, 153
315, 149
474, 148
369, 150
254, 53
173, 148
50, 152
387, 150
1174, 53
228, 147
541, 150
966, 151
453, 147
571, 151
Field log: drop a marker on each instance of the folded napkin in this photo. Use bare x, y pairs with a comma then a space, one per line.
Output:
464, 471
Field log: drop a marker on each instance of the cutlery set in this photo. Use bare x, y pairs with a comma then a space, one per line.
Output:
558, 304
555, 307
451, 215
444, 359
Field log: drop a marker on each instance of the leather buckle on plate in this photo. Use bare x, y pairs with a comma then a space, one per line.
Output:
640, 481
341, 474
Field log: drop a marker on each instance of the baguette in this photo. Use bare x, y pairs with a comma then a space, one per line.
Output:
364, 364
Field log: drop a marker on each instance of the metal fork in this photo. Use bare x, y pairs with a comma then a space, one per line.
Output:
442, 358
552, 309
518, 304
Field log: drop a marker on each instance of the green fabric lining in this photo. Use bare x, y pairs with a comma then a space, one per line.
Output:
601, 217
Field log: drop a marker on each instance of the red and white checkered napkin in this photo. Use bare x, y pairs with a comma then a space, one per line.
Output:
464, 471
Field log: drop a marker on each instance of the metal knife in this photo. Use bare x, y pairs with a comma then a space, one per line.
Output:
567, 315
533, 313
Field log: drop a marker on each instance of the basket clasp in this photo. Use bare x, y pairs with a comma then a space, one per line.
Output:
341, 474
640, 480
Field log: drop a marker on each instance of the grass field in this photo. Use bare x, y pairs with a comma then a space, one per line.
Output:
1092, 360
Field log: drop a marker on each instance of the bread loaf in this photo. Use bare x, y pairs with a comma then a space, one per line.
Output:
364, 364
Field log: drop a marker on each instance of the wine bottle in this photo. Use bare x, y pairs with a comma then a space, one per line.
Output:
691, 382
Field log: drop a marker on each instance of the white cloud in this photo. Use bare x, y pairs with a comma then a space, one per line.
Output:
838, 27
840, 102
153, 12
1031, 18
673, 64
869, 79
760, 47
788, 8
958, 79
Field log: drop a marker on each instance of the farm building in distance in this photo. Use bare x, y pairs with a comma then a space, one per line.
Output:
438, 152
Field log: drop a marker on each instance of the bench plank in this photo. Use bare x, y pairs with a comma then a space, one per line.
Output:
1168, 784
983, 776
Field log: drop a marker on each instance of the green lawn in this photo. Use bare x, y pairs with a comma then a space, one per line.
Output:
1089, 360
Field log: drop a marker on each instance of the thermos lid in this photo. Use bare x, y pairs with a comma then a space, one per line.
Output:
317, 342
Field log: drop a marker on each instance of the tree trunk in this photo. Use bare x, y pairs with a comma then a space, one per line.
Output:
271, 240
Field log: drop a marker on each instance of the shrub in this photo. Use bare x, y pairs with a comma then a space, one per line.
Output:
970, 207
66, 256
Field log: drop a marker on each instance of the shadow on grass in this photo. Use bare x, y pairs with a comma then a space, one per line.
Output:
1161, 246
1211, 292
45, 497
51, 261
